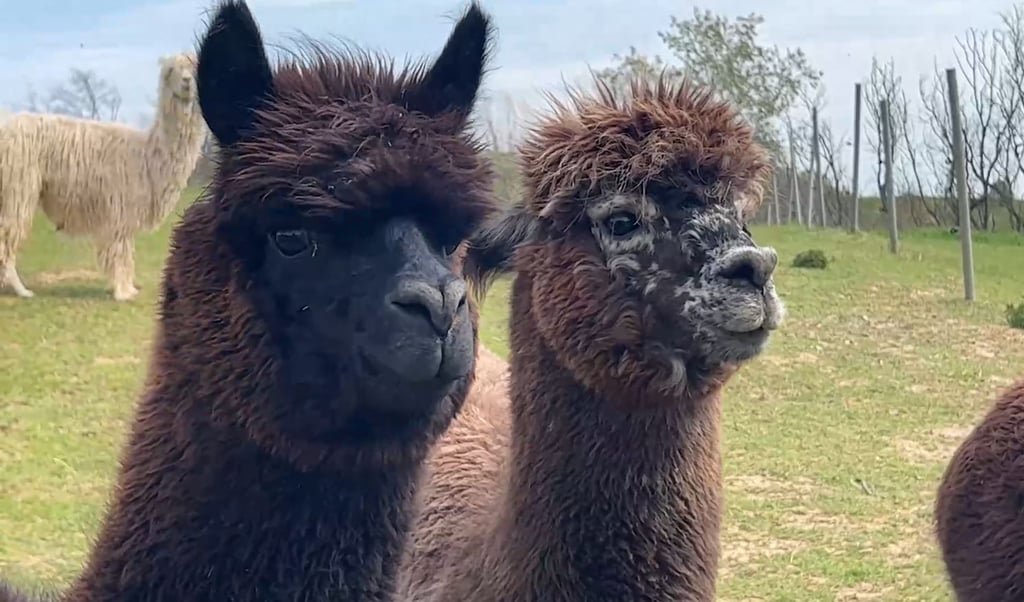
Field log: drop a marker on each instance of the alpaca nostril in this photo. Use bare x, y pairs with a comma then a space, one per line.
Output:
743, 271
430, 303
414, 308
751, 265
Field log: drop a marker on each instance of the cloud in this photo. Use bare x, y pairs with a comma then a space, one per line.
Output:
541, 43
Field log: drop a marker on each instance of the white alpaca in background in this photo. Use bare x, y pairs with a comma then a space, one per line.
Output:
105, 181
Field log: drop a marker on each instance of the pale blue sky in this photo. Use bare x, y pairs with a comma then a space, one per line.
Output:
540, 41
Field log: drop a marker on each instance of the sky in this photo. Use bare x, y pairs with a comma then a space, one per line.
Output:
541, 43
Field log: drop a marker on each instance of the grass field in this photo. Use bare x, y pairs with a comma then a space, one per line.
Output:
834, 439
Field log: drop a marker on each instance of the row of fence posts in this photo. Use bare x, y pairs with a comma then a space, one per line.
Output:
889, 196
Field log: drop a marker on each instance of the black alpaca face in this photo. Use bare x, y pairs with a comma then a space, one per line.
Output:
345, 213
375, 305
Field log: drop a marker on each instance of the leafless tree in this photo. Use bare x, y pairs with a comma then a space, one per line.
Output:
987, 135
831, 156
937, 141
812, 98
84, 94
1011, 106
501, 122
884, 84
910, 159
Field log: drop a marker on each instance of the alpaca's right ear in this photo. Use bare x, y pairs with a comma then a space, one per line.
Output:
452, 82
233, 74
491, 249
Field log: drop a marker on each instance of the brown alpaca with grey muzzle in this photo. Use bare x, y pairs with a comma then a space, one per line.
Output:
593, 472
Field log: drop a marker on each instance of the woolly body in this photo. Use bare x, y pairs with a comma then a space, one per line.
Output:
594, 472
275, 451
978, 506
106, 181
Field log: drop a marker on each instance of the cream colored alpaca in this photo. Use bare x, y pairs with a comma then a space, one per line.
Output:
105, 181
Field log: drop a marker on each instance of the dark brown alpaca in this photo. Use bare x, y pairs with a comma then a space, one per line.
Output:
980, 505
315, 337
638, 293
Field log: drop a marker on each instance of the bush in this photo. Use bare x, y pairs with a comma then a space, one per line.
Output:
1015, 315
814, 259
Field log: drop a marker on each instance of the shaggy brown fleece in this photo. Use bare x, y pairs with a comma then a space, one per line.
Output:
978, 510
594, 473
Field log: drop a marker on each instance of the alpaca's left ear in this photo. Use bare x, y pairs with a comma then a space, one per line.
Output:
453, 80
233, 73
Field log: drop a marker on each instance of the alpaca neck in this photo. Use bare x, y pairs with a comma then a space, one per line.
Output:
173, 145
606, 502
200, 513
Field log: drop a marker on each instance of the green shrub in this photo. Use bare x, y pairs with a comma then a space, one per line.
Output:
1015, 315
813, 258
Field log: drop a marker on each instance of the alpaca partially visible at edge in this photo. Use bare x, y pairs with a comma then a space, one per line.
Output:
978, 506
105, 181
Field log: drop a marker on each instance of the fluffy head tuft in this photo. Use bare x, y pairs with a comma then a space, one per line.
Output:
673, 134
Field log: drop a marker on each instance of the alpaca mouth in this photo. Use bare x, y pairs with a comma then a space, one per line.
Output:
740, 346
757, 336
755, 316
745, 336
375, 368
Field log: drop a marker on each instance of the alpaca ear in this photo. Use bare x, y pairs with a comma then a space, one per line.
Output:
491, 249
452, 82
233, 74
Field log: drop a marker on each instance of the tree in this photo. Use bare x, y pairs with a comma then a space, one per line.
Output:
84, 95
831, 156
634, 66
884, 84
1011, 105
763, 82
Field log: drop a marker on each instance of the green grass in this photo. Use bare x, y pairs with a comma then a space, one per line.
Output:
834, 439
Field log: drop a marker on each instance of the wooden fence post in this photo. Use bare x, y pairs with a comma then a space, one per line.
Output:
960, 174
890, 195
855, 217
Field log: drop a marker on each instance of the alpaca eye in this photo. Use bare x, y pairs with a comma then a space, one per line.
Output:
291, 242
621, 224
690, 202
449, 250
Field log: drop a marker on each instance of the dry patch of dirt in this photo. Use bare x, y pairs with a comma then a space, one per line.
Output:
909, 549
935, 446
863, 591
818, 522
64, 276
803, 358
116, 361
763, 487
742, 548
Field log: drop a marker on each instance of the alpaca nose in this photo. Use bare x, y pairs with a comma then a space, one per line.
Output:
438, 305
753, 265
